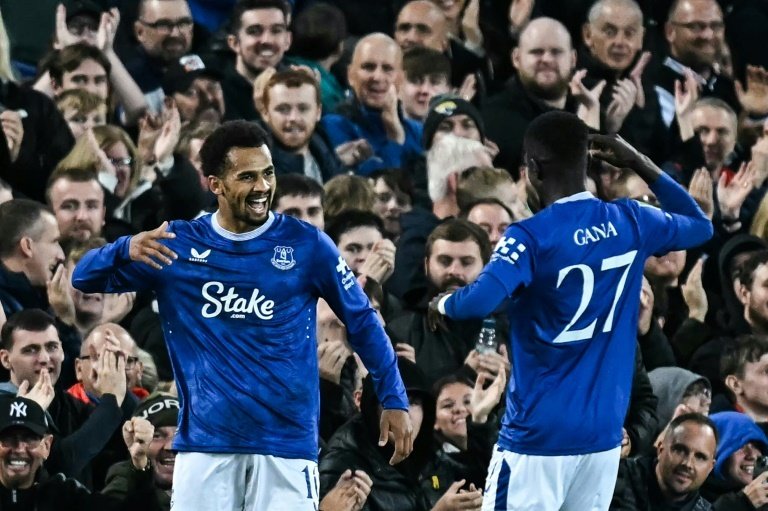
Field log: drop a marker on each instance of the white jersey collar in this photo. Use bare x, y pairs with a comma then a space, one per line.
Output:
243, 236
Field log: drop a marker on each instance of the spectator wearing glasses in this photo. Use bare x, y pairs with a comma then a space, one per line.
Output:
163, 29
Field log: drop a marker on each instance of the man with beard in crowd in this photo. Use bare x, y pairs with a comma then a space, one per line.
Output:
77, 201
196, 90
455, 253
293, 109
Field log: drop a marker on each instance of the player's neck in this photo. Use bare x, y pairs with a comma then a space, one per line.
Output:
552, 194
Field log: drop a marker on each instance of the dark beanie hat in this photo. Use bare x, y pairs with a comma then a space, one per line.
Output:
159, 409
444, 106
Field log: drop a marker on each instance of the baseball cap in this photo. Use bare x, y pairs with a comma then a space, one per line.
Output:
88, 7
159, 409
448, 105
22, 412
180, 74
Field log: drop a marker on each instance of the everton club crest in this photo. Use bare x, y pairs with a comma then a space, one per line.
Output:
283, 258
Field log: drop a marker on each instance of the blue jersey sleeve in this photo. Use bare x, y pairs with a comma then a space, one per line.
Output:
335, 283
109, 269
681, 224
510, 269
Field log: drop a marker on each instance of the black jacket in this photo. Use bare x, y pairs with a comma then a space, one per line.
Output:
287, 162
46, 141
638, 490
17, 293
408, 282
641, 421
57, 493
507, 116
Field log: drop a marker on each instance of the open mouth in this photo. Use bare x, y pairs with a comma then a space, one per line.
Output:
258, 205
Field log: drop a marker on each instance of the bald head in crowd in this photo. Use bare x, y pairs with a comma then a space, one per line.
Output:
695, 32
376, 70
121, 341
545, 59
421, 23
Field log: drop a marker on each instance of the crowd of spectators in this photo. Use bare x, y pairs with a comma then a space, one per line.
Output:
396, 127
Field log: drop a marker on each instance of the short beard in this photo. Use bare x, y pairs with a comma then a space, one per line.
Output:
557, 90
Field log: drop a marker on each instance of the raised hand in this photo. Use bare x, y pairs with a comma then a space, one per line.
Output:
145, 247
701, 190
13, 127
636, 75
169, 132
693, 292
331, 357
41, 392
731, 195
468, 88
59, 290
686, 95
137, 434
589, 99
391, 118
395, 426
646, 308
519, 14
614, 150
63, 36
470, 25
105, 37
110, 372
623, 100
484, 400
754, 97
380, 264
117, 306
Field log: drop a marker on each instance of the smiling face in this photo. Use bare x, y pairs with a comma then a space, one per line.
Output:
33, 353
245, 189
261, 42
292, 114
741, 464
22, 453
162, 457
375, 68
79, 207
453, 408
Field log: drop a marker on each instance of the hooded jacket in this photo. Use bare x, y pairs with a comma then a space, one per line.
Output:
734, 430
355, 446
669, 385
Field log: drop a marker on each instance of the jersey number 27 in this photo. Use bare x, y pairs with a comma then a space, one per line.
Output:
609, 263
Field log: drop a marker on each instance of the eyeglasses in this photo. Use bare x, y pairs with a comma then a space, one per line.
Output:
129, 361
12, 440
121, 162
166, 26
698, 27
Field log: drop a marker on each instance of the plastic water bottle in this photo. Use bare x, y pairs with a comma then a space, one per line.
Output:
486, 339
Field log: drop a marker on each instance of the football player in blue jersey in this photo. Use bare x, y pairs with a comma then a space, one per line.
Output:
237, 293
572, 274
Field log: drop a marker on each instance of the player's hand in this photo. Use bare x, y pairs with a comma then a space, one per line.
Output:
626, 443
350, 493
395, 426
146, 248
614, 150
435, 319
41, 392
137, 434
455, 499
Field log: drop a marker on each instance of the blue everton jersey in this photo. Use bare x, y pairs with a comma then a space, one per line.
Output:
573, 272
238, 313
